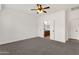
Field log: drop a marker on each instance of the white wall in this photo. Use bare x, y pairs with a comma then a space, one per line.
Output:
60, 26
57, 25
67, 25
74, 22
16, 25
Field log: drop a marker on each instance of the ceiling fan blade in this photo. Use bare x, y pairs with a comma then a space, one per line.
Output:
46, 7
34, 9
38, 4
44, 11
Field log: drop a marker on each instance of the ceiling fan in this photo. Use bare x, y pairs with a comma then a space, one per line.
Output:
41, 9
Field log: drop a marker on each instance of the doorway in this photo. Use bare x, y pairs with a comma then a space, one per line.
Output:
46, 30
47, 34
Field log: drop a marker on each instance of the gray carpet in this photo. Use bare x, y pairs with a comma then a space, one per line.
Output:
40, 46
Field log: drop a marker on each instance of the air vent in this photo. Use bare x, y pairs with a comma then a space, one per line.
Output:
75, 8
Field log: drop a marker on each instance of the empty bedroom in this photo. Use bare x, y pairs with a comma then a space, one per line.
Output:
39, 29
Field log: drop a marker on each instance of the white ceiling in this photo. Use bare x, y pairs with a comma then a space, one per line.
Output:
53, 7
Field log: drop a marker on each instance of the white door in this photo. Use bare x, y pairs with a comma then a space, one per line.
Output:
52, 30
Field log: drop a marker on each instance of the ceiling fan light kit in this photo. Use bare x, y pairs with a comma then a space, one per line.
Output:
39, 11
